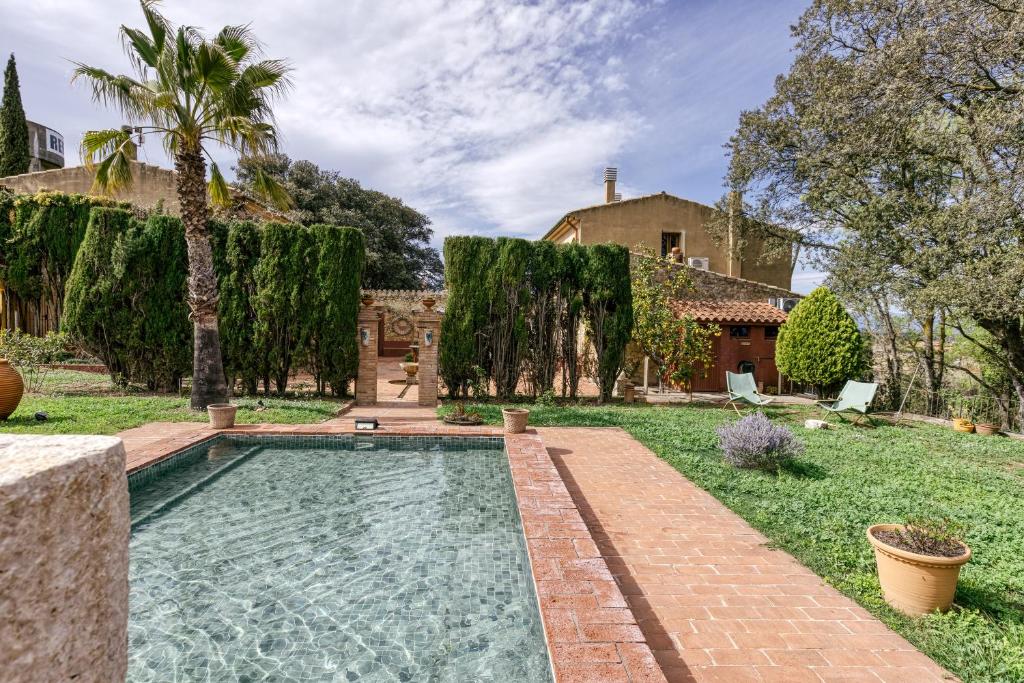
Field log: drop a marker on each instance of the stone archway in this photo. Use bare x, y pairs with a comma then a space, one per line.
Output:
391, 322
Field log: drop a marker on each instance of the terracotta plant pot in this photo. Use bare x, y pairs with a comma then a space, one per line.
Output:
222, 415
515, 419
986, 429
963, 425
367, 300
912, 583
11, 389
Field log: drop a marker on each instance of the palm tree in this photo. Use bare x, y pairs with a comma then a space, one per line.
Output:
195, 93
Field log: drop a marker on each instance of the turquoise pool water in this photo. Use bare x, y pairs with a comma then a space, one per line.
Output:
332, 559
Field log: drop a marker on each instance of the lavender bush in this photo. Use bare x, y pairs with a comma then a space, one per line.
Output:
754, 442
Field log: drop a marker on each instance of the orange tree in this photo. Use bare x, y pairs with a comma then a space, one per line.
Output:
679, 345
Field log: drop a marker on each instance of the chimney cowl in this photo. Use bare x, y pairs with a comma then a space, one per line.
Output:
610, 175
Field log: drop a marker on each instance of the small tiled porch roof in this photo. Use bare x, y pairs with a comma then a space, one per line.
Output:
750, 312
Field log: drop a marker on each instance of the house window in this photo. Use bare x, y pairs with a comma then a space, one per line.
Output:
739, 332
771, 332
746, 367
669, 240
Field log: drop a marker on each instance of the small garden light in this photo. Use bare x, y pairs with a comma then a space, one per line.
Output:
366, 424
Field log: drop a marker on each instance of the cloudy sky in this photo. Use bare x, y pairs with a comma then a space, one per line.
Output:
491, 117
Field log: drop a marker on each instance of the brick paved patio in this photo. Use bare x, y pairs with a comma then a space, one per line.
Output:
713, 601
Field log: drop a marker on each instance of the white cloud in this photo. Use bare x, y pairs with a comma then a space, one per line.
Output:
486, 115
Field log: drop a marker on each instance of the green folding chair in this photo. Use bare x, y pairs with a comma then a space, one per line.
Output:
856, 397
743, 388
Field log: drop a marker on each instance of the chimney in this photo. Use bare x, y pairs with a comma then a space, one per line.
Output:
610, 174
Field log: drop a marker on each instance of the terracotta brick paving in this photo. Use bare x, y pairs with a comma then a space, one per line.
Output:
712, 600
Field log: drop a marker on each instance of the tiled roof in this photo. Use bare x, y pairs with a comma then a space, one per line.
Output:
760, 312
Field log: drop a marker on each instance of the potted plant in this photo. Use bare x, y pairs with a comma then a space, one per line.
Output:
459, 416
962, 422
222, 415
515, 419
986, 428
919, 563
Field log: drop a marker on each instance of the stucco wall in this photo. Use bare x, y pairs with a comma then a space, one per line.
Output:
150, 184
643, 220
64, 529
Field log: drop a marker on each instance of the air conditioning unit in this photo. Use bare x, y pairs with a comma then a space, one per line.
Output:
783, 303
699, 262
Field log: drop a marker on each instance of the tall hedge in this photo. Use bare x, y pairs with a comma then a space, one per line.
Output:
572, 267
39, 238
464, 345
14, 145
608, 305
820, 344
339, 255
542, 322
509, 288
283, 302
125, 297
244, 358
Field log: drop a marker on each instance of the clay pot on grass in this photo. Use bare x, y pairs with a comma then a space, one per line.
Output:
222, 415
986, 429
11, 389
913, 583
515, 419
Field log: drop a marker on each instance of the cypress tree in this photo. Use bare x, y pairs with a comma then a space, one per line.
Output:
820, 343
465, 346
572, 262
282, 299
338, 256
510, 299
243, 358
608, 302
14, 152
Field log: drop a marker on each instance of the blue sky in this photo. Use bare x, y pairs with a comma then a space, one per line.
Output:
491, 117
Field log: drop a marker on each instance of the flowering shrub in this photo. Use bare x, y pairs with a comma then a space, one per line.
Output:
754, 442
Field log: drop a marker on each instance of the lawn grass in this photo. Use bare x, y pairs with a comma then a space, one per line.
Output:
87, 403
849, 478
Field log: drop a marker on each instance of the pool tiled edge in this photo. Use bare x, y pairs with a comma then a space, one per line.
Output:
592, 634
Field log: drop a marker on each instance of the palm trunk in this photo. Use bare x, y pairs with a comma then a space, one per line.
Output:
208, 382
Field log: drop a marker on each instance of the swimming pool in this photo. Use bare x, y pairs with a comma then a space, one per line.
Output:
337, 558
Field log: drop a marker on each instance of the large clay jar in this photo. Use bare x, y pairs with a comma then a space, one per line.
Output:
915, 584
11, 389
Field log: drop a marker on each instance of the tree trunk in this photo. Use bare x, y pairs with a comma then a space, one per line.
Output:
208, 382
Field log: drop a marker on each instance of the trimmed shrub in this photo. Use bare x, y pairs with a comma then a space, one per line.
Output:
542, 323
282, 299
40, 236
608, 305
126, 297
244, 358
572, 266
464, 350
510, 299
755, 443
33, 355
339, 255
820, 343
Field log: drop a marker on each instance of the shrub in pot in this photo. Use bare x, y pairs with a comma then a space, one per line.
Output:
515, 419
919, 563
222, 415
986, 428
755, 443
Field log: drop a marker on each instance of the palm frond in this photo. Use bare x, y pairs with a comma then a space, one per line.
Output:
140, 49
159, 27
238, 42
214, 67
220, 193
267, 187
108, 152
133, 98
271, 74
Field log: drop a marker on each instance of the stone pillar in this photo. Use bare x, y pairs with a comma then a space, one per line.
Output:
366, 380
64, 531
428, 335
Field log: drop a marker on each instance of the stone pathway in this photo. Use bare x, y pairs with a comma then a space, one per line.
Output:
713, 601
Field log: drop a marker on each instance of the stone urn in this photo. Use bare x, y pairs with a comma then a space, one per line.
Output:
428, 302
515, 419
11, 389
367, 300
222, 415
410, 369
913, 583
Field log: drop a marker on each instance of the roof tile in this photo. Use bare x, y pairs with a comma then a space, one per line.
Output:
760, 312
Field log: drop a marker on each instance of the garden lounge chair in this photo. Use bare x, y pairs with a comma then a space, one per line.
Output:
742, 388
856, 397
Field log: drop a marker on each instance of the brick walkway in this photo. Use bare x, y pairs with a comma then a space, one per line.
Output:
714, 603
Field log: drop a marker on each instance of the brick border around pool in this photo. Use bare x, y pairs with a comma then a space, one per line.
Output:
591, 632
